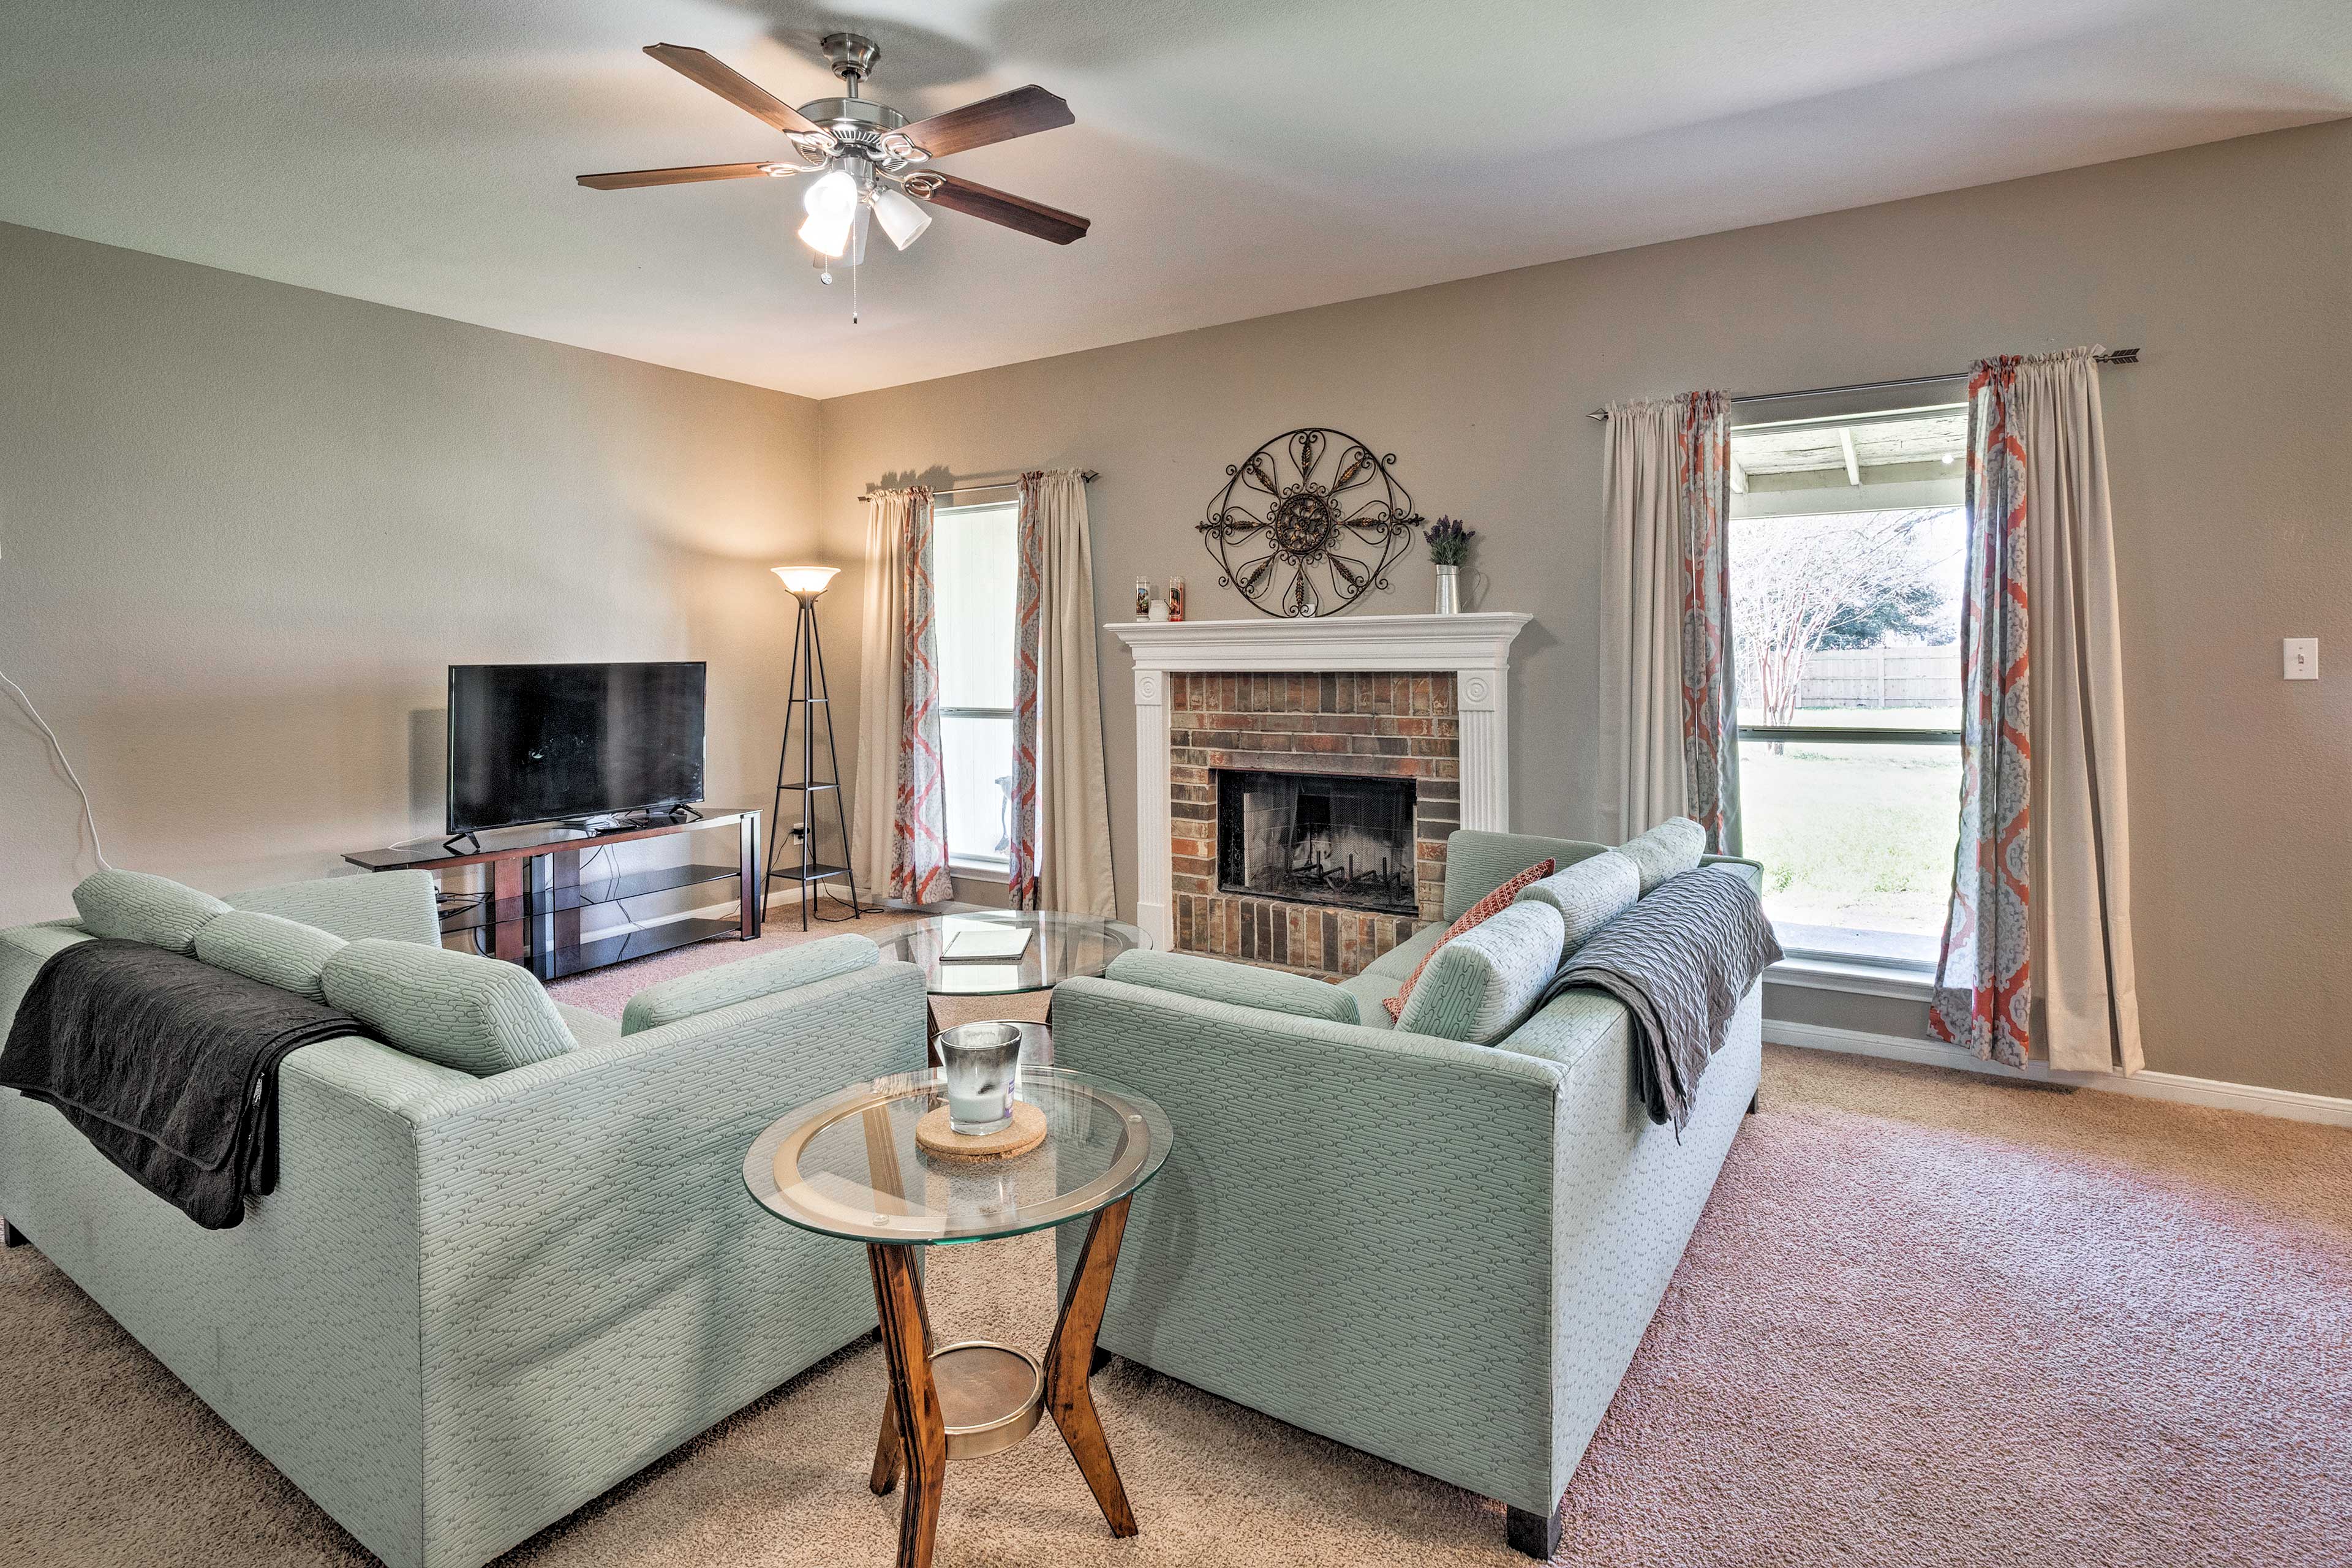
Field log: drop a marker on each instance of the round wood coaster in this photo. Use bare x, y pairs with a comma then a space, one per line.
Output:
1026, 1131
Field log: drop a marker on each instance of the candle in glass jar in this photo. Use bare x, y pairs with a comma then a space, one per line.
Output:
1143, 598
1175, 598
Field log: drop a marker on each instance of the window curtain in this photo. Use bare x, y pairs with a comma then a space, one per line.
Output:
1669, 721
899, 774
2038, 936
1061, 803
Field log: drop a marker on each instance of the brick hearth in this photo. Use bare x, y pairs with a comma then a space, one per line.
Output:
1388, 725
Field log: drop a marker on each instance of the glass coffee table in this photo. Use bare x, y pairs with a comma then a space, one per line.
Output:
849, 1166
1061, 947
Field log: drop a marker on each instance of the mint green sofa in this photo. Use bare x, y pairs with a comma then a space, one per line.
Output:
1439, 1253
473, 1304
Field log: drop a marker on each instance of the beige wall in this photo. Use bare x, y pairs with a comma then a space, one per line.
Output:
2231, 473
244, 528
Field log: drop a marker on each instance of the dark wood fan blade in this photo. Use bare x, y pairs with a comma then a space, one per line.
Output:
630, 179
737, 89
1002, 207
1020, 112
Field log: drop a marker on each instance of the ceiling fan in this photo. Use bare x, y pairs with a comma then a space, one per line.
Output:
866, 161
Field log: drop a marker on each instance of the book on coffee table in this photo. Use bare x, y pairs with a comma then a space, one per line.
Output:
986, 945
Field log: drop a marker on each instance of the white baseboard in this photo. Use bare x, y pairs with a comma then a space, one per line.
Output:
2179, 1087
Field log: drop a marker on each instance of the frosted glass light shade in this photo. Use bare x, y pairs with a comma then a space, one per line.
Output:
808, 581
828, 232
903, 218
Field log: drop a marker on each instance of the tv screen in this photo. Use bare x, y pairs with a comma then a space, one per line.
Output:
536, 742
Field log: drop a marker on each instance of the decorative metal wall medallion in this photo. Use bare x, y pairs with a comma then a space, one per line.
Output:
1301, 539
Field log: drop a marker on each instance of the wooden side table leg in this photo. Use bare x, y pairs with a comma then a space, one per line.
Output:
1070, 1358
886, 1450
923, 1434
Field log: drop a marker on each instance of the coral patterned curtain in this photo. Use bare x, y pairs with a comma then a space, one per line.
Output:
1710, 711
1029, 597
1983, 996
2039, 939
899, 773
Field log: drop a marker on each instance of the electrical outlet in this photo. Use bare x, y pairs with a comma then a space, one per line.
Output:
2302, 658
800, 831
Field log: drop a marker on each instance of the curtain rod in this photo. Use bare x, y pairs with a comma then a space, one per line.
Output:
2114, 356
1088, 475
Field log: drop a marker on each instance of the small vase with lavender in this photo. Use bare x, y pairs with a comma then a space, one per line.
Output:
1449, 547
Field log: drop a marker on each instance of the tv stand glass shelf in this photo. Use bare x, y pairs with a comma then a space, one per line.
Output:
541, 880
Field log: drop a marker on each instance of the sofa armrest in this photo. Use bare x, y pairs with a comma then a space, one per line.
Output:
746, 980
1244, 984
1376, 1205
1753, 869
584, 1234
23, 950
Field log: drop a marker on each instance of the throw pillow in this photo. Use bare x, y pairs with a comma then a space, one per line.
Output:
280, 953
711, 989
480, 1016
135, 907
1479, 987
1245, 985
1669, 849
1589, 894
1478, 914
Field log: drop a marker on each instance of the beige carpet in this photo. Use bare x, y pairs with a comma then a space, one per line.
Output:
1926, 1318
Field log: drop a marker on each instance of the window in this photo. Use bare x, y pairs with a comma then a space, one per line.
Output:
974, 567
1848, 548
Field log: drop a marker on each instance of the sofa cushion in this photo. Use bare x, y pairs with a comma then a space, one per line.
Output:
1589, 894
1245, 985
396, 905
1405, 956
136, 907
1485, 910
708, 989
480, 1016
589, 1029
1669, 849
280, 953
1372, 993
1481, 984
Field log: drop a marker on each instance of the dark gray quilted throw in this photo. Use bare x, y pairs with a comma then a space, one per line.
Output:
1680, 960
168, 1067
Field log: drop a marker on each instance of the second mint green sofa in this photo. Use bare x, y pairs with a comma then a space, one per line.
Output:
473, 1303
1439, 1253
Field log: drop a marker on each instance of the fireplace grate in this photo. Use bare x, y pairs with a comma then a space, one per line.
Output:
1317, 838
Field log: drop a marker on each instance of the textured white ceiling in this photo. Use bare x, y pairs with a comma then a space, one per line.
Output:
1238, 157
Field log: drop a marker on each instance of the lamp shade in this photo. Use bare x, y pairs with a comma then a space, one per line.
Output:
809, 581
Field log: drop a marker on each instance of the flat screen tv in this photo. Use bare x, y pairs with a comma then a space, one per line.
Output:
541, 742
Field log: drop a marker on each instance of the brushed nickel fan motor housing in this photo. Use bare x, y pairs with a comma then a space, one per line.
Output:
853, 56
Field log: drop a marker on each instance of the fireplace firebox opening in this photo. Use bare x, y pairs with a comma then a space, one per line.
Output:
1317, 838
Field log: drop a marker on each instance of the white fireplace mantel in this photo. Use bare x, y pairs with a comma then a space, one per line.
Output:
1475, 647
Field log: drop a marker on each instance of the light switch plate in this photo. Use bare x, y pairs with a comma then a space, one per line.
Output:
2302, 658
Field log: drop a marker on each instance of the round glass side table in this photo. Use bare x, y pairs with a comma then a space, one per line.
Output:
849, 1166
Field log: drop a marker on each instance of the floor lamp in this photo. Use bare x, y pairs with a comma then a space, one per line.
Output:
804, 694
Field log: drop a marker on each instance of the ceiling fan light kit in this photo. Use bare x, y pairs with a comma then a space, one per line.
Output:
864, 155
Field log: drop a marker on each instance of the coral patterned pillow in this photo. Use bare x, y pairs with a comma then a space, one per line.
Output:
1485, 909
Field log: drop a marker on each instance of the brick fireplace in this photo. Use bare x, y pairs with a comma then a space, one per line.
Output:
1296, 780
1355, 780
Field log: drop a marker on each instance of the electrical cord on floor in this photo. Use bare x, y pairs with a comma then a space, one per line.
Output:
88, 811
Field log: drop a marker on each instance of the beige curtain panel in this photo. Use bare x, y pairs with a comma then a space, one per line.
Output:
1641, 654
2081, 858
1073, 851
